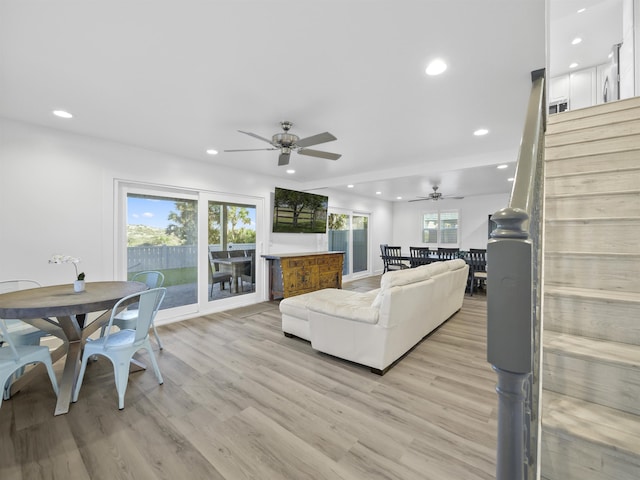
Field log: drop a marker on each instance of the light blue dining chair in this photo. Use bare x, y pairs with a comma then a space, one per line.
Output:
15, 357
120, 346
21, 332
127, 318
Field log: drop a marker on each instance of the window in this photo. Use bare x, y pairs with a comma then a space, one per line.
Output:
440, 228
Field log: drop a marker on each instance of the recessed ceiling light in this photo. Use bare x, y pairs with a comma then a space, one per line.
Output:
378, 193
502, 166
576, 41
436, 67
350, 186
480, 132
398, 198
581, 10
62, 114
573, 65
212, 151
291, 171
510, 179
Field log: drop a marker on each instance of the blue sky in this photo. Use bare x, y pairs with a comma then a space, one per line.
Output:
153, 212
149, 212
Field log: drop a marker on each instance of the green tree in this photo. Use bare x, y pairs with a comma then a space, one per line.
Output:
338, 221
184, 222
215, 233
236, 215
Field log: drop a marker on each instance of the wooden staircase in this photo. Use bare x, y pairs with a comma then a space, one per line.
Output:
591, 339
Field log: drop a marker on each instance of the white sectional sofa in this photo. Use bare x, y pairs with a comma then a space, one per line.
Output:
378, 327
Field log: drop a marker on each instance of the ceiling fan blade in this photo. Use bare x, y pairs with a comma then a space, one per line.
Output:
318, 153
256, 136
251, 149
283, 159
453, 198
315, 140
420, 199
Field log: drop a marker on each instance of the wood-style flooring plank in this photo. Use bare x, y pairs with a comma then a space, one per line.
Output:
242, 401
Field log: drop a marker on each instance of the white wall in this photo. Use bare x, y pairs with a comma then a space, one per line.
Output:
57, 196
474, 211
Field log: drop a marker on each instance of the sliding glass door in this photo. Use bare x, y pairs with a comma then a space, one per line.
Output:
162, 235
231, 249
203, 243
349, 232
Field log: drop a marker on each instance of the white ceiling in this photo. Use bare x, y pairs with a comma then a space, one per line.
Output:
182, 77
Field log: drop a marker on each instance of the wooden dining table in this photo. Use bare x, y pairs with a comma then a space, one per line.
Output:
60, 311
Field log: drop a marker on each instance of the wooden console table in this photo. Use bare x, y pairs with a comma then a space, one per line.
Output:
293, 274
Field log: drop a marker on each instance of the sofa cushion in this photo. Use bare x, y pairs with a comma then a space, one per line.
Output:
413, 275
355, 308
456, 264
298, 306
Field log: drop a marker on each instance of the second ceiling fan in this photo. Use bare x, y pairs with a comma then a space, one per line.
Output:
435, 196
288, 142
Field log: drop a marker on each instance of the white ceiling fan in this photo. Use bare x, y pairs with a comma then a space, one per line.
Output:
288, 142
435, 196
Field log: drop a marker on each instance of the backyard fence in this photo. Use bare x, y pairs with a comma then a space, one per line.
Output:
163, 257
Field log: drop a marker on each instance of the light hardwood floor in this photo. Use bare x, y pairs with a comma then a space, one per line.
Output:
241, 401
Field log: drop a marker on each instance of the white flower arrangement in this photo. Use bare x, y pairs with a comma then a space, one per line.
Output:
68, 259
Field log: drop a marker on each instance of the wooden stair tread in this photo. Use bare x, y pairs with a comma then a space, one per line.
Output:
601, 351
595, 172
572, 115
583, 221
570, 253
607, 427
594, 194
606, 295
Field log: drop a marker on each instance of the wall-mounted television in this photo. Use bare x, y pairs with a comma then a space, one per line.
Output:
299, 212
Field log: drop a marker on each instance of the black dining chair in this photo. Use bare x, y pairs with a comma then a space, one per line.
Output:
218, 276
392, 259
477, 260
448, 253
418, 256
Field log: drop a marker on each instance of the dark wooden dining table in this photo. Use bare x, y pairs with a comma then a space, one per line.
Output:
60, 311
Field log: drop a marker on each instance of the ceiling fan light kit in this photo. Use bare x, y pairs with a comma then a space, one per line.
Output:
288, 142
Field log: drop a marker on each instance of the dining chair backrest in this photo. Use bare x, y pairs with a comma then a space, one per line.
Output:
418, 256
219, 254
393, 253
215, 267
7, 286
448, 253
152, 278
148, 304
477, 259
23, 334
236, 253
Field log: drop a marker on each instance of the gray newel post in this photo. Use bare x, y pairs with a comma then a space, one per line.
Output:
509, 342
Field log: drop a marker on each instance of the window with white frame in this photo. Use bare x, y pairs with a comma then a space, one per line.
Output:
440, 228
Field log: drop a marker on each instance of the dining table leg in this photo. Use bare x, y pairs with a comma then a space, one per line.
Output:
67, 383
